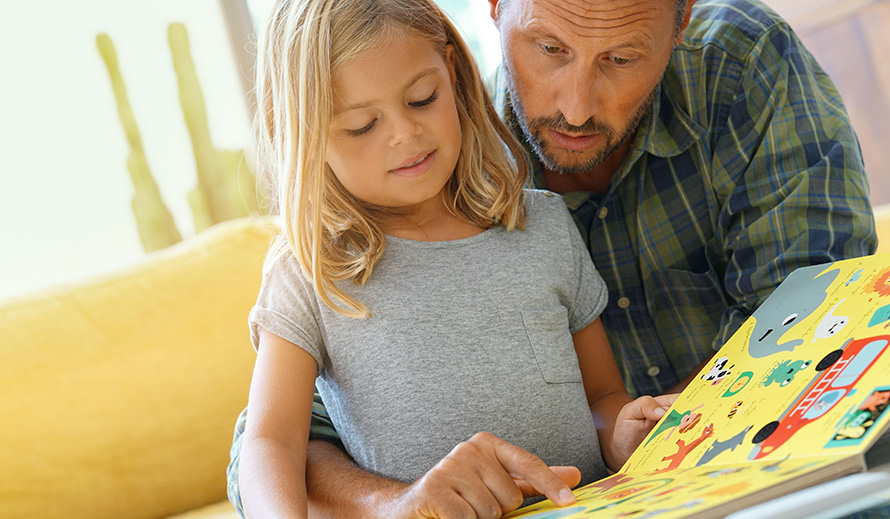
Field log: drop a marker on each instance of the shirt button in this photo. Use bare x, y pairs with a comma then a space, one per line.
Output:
548, 193
604, 212
623, 303
653, 371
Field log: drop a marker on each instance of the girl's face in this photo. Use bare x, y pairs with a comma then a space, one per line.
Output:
395, 134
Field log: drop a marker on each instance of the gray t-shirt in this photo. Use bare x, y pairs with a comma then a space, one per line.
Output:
464, 336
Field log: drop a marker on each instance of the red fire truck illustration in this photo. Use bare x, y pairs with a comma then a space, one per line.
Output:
840, 370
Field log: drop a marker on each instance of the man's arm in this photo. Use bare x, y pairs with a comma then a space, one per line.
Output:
790, 173
330, 473
482, 477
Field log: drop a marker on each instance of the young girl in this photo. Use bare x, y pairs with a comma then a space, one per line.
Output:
430, 295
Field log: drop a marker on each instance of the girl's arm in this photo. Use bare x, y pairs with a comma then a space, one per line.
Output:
272, 474
621, 422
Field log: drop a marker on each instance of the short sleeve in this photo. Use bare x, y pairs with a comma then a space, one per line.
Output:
590, 292
287, 307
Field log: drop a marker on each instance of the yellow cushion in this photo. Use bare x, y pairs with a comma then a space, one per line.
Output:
221, 510
882, 221
118, 395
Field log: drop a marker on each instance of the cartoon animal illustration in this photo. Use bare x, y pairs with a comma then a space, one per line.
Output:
876, 399
610, 482
684, 449
855, 424
831, 324
740, 383
840, 370
881, 315
854, 277
718, 446
735, 409
802, 292
783, 372
880, 284
673, 420
853, 428
718, 371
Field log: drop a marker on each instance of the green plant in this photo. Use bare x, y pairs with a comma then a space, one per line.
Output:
226, 186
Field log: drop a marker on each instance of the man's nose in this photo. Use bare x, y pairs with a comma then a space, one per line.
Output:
578, 95
403, 129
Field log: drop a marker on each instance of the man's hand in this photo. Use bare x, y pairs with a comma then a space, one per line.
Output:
483, 477
634, 422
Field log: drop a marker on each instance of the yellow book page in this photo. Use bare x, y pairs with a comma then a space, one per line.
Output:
710, 491
794, 398
806, 375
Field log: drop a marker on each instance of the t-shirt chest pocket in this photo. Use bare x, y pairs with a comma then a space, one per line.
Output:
550, 339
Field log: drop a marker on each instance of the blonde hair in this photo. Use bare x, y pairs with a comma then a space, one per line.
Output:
333, 235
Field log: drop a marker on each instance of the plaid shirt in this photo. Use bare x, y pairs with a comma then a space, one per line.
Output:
745, 169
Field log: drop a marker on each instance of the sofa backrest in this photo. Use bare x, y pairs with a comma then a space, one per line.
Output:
118, 395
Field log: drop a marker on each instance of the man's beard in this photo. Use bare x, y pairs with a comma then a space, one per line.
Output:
534, 130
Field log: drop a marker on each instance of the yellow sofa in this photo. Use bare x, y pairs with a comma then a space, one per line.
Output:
118, 395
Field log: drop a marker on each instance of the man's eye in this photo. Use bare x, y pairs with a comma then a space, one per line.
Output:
619, 60
426, 102
362, 130
551, 49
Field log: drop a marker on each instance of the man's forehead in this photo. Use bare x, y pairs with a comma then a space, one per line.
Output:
603, 10
589, 18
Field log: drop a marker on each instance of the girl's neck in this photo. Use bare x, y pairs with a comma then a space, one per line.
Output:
431, 222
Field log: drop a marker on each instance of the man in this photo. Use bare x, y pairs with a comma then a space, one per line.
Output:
704, 155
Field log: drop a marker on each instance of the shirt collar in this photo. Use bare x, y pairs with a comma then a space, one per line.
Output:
669, 129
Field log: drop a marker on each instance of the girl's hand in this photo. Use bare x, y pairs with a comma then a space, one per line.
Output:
634, 422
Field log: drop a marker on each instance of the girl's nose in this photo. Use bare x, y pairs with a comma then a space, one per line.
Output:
404, 130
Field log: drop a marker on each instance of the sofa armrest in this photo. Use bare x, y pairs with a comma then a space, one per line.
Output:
119, 394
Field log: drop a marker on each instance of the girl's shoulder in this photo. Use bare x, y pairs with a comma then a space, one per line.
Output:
541, 200
545, 208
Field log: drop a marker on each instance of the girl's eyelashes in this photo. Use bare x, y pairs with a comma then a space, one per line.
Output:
416, 104
362, 130
428, 101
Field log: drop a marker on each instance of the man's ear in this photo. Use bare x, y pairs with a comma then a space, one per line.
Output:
687, 15
494, 10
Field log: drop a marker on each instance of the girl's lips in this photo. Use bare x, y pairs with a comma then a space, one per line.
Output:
579, 143
413, 168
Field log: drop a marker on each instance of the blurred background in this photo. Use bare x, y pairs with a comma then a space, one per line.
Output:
165, 99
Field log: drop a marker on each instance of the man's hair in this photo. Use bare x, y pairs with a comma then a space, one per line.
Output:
679, 15
332, 235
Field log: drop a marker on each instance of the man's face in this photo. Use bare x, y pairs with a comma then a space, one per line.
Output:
582, 75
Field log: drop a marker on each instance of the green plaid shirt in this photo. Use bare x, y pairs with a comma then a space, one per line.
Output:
745, 169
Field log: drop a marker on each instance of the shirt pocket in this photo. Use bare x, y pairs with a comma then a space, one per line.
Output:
551, 342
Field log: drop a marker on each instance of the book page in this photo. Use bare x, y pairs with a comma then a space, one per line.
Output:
794, 398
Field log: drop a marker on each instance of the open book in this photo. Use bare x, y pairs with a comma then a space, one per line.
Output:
794, 398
